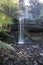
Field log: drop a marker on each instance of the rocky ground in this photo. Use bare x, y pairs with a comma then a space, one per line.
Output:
23, 55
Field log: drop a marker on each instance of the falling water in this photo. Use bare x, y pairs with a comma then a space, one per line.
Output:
21, 27
21, 22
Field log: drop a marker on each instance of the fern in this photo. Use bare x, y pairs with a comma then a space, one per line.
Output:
6, 46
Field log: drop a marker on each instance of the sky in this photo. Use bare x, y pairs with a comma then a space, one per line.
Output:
41, 1
27, 2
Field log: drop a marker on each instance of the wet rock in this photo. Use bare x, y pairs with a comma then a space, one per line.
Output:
35, 63
24, 55
36, 46
10, 62
41, 54
40, 61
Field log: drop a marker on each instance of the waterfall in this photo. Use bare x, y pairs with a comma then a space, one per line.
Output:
21, 27
24, 15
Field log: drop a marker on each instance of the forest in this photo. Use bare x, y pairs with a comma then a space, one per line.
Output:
21, 32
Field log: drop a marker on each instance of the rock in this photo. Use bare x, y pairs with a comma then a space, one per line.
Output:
35, 63
41, 54
36, 46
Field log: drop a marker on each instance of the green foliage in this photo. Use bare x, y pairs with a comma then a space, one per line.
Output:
4, 30
7, 9
14, 4
6, 46
4, 19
